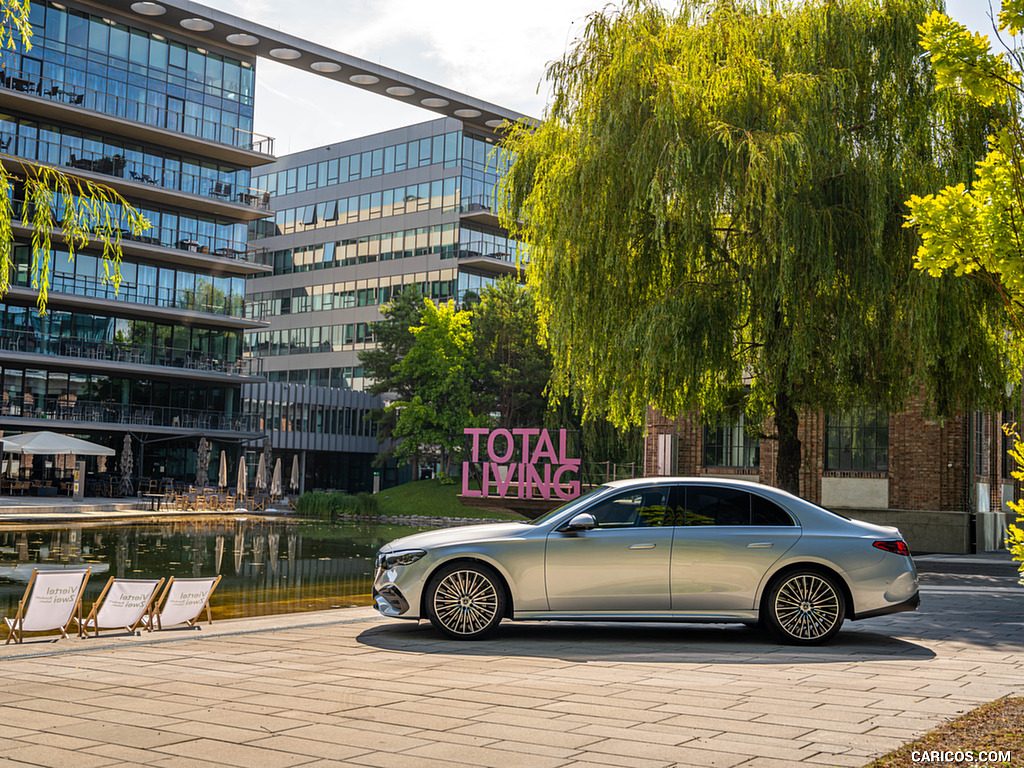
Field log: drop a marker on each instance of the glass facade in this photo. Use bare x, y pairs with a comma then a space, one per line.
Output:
132, 73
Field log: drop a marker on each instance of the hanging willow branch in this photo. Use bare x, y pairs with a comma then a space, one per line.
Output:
81, 212
15, 27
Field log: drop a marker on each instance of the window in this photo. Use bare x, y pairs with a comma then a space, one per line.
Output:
1009, 465
643, 508
729, 445
857, 440
698, 505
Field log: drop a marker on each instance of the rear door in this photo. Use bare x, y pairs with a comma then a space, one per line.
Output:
724, 540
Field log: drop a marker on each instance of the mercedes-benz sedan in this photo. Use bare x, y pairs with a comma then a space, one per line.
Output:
655, 549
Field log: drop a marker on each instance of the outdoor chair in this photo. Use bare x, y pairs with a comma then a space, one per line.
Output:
127, 602
52, 600
182, 602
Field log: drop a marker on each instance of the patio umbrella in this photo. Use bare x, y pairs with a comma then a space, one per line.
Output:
222, 472
50, 443
242, 477
293, 483
261, 472
275, 485
203, 463
127, 462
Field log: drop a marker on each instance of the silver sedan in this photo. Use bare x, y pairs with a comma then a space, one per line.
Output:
655, 549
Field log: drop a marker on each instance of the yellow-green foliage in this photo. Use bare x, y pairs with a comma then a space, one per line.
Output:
976, 230
1015, 533
15, 28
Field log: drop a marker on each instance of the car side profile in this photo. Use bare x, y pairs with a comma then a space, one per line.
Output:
655, 549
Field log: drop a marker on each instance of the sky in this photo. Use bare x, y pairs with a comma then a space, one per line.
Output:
497, 52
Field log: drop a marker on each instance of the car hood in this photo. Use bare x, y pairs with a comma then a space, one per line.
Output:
464, 533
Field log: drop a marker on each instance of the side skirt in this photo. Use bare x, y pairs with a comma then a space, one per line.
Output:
731, 617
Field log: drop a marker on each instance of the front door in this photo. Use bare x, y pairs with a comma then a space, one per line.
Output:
621, 565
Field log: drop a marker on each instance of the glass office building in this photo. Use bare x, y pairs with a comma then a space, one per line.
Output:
107, 95
354, 224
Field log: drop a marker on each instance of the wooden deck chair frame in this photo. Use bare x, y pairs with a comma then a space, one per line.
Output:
83, 626
159, 605
15, 629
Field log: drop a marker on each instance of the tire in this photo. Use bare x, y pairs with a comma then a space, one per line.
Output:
465, 601
804, 607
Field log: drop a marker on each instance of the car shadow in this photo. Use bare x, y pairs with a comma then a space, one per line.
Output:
642, 643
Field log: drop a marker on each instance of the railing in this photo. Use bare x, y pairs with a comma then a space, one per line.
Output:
138, 293
69, 408
121, 106
182, 241
53, 345
120, 166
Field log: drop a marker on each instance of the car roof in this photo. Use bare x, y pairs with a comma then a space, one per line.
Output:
703, 480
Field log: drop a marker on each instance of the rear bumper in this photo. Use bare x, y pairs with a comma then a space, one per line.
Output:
910, 604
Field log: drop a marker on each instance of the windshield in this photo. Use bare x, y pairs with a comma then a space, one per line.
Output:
577, 502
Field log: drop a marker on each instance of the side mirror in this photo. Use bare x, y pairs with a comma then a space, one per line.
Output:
584, 521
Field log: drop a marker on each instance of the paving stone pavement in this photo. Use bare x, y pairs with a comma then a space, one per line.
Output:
348, 688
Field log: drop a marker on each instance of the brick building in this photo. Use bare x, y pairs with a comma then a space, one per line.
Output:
945, 484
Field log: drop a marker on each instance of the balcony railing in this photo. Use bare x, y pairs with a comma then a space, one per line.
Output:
182, 241
70, 408
121, 166
54, 345
121, 106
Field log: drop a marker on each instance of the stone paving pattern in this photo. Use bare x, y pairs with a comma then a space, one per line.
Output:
348, 688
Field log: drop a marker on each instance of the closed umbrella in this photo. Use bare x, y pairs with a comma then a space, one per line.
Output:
222, 472
242, 477
275, 485
203, 464
127, 462
262, 470
293, 483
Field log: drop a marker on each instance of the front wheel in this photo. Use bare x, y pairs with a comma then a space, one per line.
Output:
804, 608
465, 601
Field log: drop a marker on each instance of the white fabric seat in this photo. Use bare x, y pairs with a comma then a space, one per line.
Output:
53, 599
126, 603
182, 601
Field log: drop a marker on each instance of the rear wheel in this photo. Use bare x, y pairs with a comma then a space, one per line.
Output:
804, 608
465, 601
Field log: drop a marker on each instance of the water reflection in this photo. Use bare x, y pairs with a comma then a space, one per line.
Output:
270, 566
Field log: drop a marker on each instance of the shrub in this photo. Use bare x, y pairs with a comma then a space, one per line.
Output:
329, 505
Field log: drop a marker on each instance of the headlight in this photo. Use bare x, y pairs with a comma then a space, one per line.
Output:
391, 559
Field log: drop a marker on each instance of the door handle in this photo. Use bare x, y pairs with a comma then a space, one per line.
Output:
642, 546
760, 545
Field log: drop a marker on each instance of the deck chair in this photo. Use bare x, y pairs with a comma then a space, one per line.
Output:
182, 601
52, 600
127, 602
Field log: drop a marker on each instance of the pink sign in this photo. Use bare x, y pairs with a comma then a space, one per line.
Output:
541, 469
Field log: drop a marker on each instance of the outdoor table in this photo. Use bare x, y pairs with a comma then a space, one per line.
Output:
155, 500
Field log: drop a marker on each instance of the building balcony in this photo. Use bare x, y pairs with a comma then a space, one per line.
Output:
51, 100
24, 348
479, 210
67, 412
178, 190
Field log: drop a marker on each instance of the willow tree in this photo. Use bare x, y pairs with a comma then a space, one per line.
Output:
713, 204
78, 212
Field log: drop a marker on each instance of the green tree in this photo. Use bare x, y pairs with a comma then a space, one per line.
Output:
514, 368
394, 339
715, 198
78, 212
438, 369
977, 231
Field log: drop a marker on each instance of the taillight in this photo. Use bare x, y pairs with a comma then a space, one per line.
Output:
897, 547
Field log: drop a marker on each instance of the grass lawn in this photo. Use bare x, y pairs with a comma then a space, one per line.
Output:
430, 498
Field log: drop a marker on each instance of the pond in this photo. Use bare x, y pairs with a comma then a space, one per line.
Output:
269, 566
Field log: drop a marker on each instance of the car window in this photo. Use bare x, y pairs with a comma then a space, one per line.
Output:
698, 505
765, 512
635, 508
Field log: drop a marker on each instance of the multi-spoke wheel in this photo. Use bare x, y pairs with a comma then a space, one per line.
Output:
465, 601
804, 608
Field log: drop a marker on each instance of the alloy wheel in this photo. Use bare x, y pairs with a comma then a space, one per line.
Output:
807, 607
465, 603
